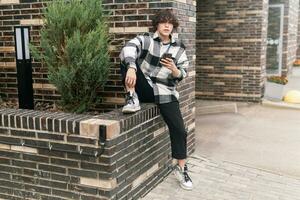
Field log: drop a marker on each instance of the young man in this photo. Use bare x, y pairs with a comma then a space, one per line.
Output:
151, 66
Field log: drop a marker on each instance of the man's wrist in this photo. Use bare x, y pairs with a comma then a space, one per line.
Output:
176, 73
131, 65
132, 69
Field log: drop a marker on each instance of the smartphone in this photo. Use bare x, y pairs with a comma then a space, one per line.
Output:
166, 55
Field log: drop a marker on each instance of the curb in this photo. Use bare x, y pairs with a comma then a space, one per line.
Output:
214, 109
280, 104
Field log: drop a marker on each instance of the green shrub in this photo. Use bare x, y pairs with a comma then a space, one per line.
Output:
74, 46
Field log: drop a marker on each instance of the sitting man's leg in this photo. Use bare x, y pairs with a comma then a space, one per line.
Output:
173, 118
138, 89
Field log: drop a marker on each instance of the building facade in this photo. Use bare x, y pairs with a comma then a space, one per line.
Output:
239, 43
42, 153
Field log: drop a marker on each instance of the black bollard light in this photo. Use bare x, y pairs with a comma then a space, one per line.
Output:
24, 67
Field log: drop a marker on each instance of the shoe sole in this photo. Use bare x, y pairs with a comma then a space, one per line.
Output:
127, 111
185, 188
182, 186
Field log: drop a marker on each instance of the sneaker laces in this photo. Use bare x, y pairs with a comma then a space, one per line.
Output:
129, 99
186, 176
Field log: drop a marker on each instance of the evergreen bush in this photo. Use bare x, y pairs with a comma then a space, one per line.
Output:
74, 46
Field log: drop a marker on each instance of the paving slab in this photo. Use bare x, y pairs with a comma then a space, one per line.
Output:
219, 180
251, 154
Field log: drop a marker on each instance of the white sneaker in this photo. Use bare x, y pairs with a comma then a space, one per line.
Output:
132, 103
183, 177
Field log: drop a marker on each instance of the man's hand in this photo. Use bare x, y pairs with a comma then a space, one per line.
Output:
169, 63
130, 79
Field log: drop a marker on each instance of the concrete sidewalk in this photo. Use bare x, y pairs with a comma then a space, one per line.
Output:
251, 154
256, 136
244, 151
217, 180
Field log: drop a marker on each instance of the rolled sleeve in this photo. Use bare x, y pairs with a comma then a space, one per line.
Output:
131, 51
182, 64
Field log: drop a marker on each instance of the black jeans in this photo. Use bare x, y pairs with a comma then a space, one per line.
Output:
169, 111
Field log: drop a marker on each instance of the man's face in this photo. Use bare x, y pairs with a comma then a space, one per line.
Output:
165, 29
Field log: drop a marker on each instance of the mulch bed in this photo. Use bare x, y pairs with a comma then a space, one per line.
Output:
41, 106
38, 106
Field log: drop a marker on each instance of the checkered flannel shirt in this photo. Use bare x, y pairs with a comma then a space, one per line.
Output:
144, 51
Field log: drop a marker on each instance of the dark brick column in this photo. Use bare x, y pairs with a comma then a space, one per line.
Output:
231, 49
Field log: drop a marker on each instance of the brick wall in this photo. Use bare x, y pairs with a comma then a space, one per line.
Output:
55, 173
290, 29
231, 49
40, 154
14, 12
128, 19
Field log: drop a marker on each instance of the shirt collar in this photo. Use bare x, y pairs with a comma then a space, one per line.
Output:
156, 37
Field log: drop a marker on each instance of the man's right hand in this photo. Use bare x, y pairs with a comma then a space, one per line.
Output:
130, 79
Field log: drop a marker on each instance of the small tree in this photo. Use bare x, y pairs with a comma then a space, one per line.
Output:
74, 47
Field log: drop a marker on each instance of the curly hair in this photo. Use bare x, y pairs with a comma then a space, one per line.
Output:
164, 16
